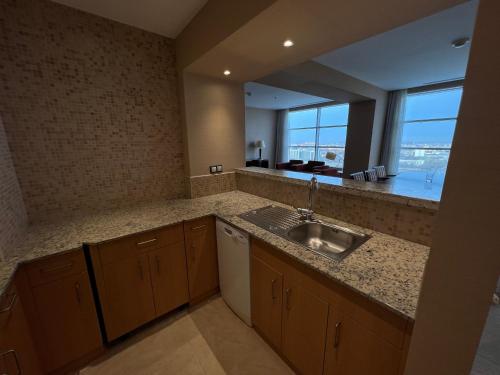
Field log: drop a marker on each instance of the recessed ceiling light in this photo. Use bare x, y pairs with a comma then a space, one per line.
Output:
459, 43
288, 43
227, 72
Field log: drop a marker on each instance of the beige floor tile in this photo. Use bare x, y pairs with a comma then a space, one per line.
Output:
209, 340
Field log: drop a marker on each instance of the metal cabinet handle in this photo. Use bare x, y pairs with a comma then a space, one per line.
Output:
273, 282
16, 360
336, 340
199, 227
157, 258
11, 304
146, 242
57, 268
141, 270
288, 292
77, 293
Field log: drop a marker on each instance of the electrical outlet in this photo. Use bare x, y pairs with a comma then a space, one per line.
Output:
219, 168
213, 169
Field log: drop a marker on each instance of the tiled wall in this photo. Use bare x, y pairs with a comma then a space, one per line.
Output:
90, 109
13, 214
201, 186
411, 223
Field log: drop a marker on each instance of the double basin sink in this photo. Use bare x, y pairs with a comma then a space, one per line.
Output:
328, 240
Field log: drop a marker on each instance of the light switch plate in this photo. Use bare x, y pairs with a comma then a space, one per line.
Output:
219, 168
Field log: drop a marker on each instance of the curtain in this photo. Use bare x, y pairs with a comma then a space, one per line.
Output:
393, 131
282, 136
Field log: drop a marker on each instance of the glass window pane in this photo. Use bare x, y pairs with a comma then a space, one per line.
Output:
421, 164
301, 153
329, 137
302, 119
339, 160
334, 115
302, 137
428, 134
433, 104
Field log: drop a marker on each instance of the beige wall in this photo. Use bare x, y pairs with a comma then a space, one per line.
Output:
90, 109
260, 124
464, 262
13, 217
214, 116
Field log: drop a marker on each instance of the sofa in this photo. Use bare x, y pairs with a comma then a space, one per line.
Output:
287, 165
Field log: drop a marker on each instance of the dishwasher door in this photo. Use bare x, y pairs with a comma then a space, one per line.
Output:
234, 269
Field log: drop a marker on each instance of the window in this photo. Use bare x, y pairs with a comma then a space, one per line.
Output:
315, 131
427, 134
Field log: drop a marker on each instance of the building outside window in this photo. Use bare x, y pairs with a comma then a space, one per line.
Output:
315, 131
428, 127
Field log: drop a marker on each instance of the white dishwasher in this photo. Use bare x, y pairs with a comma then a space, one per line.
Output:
234, 269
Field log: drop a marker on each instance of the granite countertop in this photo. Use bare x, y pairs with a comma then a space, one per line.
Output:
396, 190
385, 269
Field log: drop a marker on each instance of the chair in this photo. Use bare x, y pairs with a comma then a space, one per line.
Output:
380, 170
371, 175
308, 167
358, 176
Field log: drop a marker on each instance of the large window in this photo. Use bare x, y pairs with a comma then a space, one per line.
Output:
428, 127
315, 131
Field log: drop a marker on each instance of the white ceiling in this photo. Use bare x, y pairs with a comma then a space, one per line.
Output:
164, 17
411, 55
269, 97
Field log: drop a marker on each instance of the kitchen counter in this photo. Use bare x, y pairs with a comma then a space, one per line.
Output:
397, 190
385, 269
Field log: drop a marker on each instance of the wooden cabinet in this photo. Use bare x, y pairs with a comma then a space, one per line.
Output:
354, 349
201, 251
305, 317
17, 351
319, 326
140, 277
169, 277
62, 310
267, 301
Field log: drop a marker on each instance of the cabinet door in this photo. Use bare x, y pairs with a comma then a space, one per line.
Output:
17, 351
169, 277
353, 349
305, 318
67, 317
201, 251
128, 296
267, 301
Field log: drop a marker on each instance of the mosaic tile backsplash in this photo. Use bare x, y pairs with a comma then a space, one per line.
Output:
90, 109
201, 186
411, 223
13, 213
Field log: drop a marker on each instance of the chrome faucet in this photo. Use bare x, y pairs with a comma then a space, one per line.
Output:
308, 213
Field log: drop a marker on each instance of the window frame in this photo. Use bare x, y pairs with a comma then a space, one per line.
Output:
317, 127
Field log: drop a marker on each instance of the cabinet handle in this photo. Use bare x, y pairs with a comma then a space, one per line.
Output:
141, 271
58, 268
16, 360
273, 282
146, 242
77, 292
199, 227
11, 304
157, 258
336, 340
288, 292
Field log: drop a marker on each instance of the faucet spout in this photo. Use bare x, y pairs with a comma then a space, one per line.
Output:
307, 213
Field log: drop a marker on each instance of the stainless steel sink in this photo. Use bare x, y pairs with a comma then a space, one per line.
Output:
328, 240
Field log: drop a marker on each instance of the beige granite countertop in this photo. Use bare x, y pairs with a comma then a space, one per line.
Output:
386, 269
396, 190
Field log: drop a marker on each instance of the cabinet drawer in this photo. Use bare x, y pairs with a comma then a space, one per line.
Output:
129, 246
56, 267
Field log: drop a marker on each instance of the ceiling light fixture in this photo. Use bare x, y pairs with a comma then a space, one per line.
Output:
227, 72
288, 43
459, 43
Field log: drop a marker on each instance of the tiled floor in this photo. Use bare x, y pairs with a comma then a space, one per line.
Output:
208, 340
488, 354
